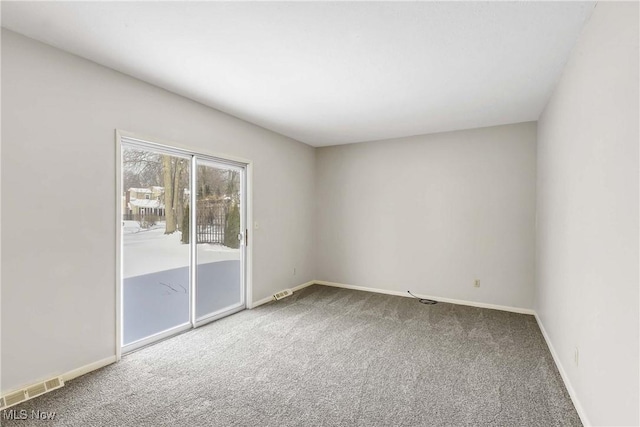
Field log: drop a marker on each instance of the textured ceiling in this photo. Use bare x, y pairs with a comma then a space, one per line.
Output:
329, 72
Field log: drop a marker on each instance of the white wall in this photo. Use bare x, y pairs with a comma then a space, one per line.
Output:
59, 113
431, 214
587, 251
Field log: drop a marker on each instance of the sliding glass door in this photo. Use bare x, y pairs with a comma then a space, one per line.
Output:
183, 241
155, 259
220, 238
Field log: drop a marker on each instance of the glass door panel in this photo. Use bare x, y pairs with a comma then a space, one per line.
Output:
219, 219
155, 244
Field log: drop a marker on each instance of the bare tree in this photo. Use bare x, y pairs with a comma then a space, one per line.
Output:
168, 178
144, 169
140, 168
180, 183
211, 183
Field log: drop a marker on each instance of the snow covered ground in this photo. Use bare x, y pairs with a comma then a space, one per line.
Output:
159, 301
150, 250
156, 279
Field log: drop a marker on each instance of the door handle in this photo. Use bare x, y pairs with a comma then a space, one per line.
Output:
244, 236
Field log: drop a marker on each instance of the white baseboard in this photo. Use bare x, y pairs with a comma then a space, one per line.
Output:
304, 285
260, 302
401, 294
88, 368
440, 299
269, 299
563, 374
68, 376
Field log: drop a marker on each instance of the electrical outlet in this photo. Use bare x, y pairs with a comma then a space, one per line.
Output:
476, 284
576, 356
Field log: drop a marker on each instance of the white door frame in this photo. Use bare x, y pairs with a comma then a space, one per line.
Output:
178, 148
242, 304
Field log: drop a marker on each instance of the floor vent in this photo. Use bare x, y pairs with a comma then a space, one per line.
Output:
54, 383
30, 392
14, 398
283, 294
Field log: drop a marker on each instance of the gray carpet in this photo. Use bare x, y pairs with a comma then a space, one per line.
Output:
329, 357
